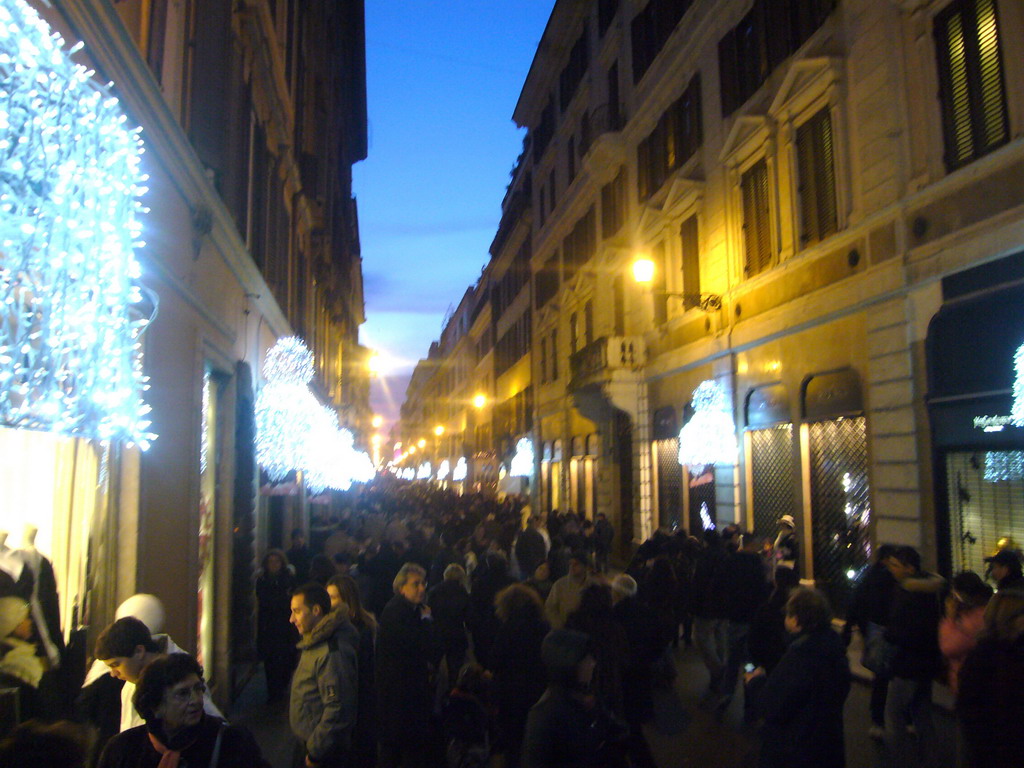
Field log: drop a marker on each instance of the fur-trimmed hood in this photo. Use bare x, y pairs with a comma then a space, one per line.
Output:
334, 623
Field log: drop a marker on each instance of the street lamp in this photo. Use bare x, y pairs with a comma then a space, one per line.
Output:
643, 273
479, 401
438, 430
377, 421
421, 443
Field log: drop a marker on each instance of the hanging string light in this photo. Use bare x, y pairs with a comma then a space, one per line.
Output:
70, 183
1017, 411
709, 437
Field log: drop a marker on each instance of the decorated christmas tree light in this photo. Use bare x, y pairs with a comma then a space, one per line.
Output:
710, 435
522, 462
459, 473
294, 432
70, 183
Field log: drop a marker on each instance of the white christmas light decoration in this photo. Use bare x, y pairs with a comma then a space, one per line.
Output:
1017, 411
705, 517
459, 473
710, 435
295, 432
70, 183
1001, 466
443, 469
522, 462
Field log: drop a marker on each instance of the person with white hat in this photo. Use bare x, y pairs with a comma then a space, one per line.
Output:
21, 666
787, 548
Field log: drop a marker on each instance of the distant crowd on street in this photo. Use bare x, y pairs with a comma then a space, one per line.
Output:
423, 627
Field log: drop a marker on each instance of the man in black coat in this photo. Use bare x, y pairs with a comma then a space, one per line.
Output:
802, 700
408, 652
913, 627
531, 549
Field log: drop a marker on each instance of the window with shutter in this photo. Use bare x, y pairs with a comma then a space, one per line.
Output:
691, 262
756, 219
971, 85
816, 178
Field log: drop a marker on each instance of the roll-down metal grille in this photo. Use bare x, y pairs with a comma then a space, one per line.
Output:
771, 461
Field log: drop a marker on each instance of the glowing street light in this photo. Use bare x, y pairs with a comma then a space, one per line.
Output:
643, 270
438, 430
377, 421
479, 401
421, 443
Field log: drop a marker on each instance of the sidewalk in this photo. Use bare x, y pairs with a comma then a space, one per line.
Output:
268, 723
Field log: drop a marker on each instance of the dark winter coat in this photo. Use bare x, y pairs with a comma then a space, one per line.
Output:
744, 586
709, 600
408, 651
802, 704
449, 606
647, 644
274, 635
913, 627
872, 598
133, 749
519, 676
990, 705
531, 551
566, 730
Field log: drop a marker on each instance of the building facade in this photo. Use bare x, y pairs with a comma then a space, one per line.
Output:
827, 191
252, 115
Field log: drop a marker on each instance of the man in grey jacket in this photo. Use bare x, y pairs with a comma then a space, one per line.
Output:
322, 710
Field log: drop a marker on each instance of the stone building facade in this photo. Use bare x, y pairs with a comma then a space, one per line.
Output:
829, 193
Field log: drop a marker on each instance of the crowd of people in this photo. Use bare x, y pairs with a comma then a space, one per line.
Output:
426, 628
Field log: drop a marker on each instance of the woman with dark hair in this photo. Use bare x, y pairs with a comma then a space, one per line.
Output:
275, 636
569, 727
802, 700
344, 590
169, 696
516, 664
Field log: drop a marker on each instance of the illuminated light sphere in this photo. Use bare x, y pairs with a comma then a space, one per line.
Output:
710, 435
479, 401
522, 461
459, 473
377, 421
290, 362
70, 183
438, 430
1017, 411
442, 469
643, 270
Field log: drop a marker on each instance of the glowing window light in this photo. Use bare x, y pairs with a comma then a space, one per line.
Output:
70, 182
424, 471
443, 469
710, 435
522, 462
459, 473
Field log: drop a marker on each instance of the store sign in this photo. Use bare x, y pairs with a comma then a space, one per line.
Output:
994, 423
768, 405
833, 394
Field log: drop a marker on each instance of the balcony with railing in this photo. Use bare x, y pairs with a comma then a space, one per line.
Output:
600, 360
601, 139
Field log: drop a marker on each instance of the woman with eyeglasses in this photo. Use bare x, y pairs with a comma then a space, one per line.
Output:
177, 732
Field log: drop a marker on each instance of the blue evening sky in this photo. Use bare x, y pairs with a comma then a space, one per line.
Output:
443, 77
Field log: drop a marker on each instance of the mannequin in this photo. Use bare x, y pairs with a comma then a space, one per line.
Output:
11, 565
44, 601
